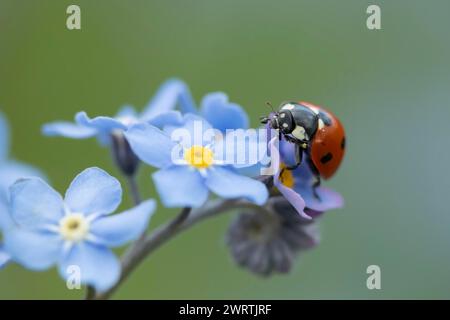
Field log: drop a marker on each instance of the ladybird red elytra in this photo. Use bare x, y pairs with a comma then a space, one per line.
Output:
315, 131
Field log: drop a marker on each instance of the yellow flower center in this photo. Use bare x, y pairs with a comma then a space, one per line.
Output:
74, 227
286, 176
199, 157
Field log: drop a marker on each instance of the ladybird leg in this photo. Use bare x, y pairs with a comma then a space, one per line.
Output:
316, 174
298, 157
315, 185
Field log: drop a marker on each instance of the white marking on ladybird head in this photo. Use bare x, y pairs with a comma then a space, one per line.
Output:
299, 133
288, 106
283, 115
320, 124
316, 111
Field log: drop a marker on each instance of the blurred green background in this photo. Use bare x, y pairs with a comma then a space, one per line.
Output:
389, 87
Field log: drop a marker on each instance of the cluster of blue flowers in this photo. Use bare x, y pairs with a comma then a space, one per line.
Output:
42, 229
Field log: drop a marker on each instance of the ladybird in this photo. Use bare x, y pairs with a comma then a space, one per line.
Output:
315, 131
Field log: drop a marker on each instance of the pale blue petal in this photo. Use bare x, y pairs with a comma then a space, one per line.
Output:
180, 186
170, 118
171, 93
34, 250
223, 114
127, 112
68, 130
228, 184
240, 148
194, 131
11, 171
105, 124
150, 144
6, 221
94, 191
33, 202
5, 257
118, 229
4, 137
98, 266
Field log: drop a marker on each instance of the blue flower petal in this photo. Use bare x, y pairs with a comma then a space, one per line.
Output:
127, 112
94, 191
5, 257
240, 148
34, 202
11, 171
68, 130
228, 184
4, 138
180, 186
294, 198
223, 114
171, 93
328, 198
34, 250
121, 228
170, 118
194, 131
6, 221
150, 144
105, 124
98, 266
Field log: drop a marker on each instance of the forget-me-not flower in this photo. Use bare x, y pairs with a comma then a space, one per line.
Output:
200, 167
158, 111
74, 231
10, 171
301, 180
297, 186
220, 112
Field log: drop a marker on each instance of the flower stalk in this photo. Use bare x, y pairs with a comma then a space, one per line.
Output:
185, 220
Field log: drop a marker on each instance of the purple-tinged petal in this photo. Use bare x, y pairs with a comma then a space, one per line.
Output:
94, 191
98, 266
180, 186
293, 197
118, 229
328, 198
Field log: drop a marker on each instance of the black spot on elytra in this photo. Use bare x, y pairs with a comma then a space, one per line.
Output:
326, 158
343, 143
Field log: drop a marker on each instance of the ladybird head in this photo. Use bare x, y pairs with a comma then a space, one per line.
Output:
282, 120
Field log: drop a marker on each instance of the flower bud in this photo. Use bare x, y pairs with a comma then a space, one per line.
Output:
124, 157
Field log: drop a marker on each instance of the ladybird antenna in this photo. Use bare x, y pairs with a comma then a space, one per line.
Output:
270, 106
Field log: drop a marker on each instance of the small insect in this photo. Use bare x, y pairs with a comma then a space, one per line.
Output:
314, 131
